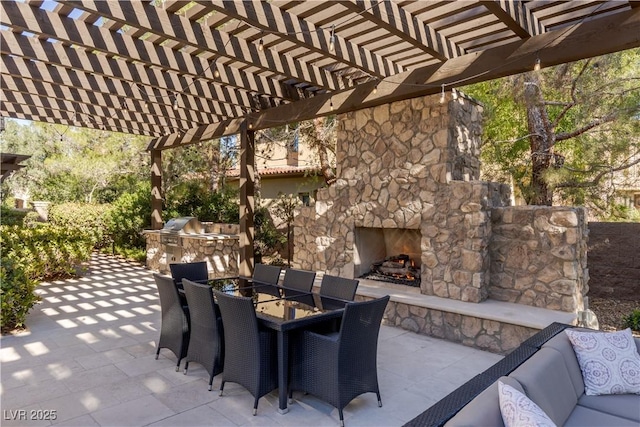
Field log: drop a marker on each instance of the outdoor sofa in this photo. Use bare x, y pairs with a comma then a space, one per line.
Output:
545, 369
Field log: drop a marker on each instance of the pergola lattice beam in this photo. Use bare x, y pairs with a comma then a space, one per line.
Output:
182, 30
151, 79
592, 38
81, 87
402, 24
110, 43
515, 15
61, 112
289, 27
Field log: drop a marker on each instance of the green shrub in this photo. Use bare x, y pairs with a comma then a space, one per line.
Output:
32, 254
130, 214
632, 320
10, 216
88, 218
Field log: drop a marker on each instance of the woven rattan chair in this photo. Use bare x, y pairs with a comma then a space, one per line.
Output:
338, 287
266, 274
341, 366
250, 353
174, 330
299, 280
206, 345
194, 271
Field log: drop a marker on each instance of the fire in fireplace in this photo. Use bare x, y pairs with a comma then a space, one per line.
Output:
399, 269
389, 255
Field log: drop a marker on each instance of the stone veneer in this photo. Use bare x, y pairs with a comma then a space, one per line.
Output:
413, 164
539, 256
218, 246
485, 334
408, 165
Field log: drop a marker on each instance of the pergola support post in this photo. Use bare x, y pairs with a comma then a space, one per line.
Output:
247, 200
156, 189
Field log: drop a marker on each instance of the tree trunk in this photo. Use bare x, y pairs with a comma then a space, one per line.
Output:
327, 172
542, 140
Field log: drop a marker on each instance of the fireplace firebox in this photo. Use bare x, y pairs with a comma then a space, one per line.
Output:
388, 254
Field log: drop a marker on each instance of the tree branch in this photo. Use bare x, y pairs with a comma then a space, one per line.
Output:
578, 184
595, 123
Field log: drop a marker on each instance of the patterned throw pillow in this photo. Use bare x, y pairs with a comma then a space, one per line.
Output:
519, 411
609, 361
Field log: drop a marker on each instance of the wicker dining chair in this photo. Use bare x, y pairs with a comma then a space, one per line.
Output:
266, 274
206, 344
250, 352
174, 329
300, 280
195, 271
338, 287
339, 367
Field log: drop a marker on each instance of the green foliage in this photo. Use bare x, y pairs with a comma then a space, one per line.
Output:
593, 108
191, 198
10, 216
267, 237
632, 320
130, 214
71, 164
91, 219
32, 254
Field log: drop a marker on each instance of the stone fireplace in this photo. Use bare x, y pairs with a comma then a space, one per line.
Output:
408, 172
408, 167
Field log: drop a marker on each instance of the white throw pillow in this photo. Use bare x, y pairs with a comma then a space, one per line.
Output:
519, 411
609, 361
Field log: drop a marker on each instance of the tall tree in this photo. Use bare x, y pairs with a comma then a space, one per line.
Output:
559, 132
72, 164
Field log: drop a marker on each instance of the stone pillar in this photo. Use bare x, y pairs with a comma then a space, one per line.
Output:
539, 256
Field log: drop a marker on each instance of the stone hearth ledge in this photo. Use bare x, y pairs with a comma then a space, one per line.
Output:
499, 311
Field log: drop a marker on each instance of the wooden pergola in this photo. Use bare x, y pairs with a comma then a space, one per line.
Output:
184, 71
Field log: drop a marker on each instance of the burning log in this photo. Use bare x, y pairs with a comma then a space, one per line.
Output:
398, 266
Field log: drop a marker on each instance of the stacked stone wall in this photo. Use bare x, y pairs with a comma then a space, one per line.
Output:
485, 334
221, 253
395, 165
539, 256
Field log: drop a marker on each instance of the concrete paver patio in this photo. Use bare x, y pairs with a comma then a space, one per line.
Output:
88, 360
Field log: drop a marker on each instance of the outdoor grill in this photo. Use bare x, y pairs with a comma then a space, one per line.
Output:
172, 232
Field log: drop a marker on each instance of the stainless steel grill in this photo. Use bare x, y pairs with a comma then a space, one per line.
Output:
172, 232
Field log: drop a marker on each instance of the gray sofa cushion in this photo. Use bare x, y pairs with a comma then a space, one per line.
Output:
621, 405
547, 382
586, 417
484, 409
562, 344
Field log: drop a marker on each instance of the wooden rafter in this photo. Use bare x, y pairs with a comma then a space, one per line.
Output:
593, 38
405, 26
181, 29
82, 53
304, 33
515, 15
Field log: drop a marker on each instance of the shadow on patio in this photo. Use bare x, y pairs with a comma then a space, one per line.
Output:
88, 359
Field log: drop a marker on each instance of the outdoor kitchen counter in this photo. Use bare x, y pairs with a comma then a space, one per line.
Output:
219, 250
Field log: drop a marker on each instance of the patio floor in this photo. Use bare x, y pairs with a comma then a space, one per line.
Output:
89, 356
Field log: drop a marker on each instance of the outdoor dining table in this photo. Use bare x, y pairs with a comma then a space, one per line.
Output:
284, 310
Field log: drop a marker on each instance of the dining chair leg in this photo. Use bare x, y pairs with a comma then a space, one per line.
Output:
255, 407
178, 366
379, 399
221, 388
341, 417
157, 353
186, 366
210, 381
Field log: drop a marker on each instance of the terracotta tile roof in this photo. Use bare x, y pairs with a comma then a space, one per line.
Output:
286, 171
